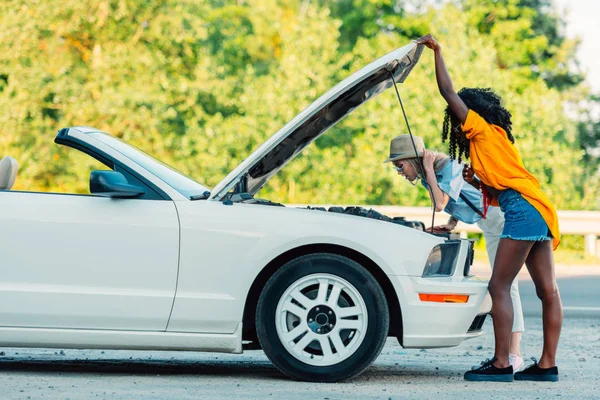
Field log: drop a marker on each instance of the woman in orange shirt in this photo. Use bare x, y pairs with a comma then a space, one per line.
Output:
479, 128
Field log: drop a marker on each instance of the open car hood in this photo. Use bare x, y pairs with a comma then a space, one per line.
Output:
317, 118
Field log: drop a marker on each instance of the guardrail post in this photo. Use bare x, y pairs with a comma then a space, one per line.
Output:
590, 244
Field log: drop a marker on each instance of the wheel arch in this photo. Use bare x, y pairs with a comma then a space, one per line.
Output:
249, 327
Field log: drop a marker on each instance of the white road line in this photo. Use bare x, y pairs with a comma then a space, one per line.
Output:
580, 308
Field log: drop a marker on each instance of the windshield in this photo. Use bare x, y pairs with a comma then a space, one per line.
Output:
183, 184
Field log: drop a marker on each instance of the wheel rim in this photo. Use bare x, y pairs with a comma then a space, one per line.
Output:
321, 319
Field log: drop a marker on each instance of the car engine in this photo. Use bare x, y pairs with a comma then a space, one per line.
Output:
351, 210
370, 213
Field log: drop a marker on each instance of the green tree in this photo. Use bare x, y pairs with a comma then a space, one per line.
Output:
201, 84
527, 37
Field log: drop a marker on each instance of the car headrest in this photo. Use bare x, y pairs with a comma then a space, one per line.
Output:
8, 172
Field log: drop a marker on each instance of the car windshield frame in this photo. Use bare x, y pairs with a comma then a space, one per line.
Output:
182, 183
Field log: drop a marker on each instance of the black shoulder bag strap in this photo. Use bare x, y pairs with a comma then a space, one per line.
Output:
477, 210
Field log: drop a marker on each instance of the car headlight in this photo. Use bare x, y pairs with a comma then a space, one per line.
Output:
442, 260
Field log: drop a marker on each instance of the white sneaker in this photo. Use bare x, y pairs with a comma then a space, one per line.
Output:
516, 361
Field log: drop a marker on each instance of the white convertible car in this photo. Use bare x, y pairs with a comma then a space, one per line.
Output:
154, 260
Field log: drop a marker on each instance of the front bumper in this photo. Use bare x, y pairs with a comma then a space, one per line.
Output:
431, 325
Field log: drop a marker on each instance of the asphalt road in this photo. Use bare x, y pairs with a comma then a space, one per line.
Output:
397, 374
579, 294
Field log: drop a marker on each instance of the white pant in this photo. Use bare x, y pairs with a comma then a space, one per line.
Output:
492, 227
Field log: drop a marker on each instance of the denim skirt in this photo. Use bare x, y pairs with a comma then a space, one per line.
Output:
522, 220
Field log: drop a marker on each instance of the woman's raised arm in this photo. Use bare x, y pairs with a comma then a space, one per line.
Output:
458, 107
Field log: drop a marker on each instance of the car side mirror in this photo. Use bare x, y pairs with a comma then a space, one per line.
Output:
113, 184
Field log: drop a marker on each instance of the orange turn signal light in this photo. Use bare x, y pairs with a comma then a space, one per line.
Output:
444, 298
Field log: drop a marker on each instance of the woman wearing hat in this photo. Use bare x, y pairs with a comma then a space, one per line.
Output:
452, 194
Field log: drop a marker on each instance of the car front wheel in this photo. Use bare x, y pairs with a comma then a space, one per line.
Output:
322, 317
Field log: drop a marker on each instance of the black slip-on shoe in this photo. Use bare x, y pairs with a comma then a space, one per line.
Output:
535, 373
488, 372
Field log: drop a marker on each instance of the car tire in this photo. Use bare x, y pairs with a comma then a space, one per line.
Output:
322, 318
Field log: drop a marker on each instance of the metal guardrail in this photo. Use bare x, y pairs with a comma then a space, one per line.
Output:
585, 223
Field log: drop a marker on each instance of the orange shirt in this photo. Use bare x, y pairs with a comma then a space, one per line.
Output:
498, 164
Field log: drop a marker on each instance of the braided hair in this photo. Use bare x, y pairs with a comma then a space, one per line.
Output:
488, 105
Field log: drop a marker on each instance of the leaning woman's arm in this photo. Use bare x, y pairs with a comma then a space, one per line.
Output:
441, 198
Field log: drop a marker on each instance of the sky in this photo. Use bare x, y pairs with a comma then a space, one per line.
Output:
582, 21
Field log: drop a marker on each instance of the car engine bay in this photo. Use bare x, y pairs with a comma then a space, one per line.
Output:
358, 211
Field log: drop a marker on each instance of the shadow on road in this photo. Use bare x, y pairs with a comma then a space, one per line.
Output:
240, 369
142, 367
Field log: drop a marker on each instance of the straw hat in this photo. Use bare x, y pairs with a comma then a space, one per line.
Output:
401, 148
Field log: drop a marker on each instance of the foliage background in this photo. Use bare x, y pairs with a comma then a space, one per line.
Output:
201, 84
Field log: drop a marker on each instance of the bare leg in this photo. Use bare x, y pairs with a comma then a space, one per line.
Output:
492, 230
515, 342
540, 264
518, 323
509, 259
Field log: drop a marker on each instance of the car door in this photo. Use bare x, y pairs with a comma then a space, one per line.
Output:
86, 262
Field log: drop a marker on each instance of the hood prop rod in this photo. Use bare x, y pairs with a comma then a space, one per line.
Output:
420, 161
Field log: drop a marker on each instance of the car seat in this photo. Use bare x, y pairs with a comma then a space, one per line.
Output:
8, 172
